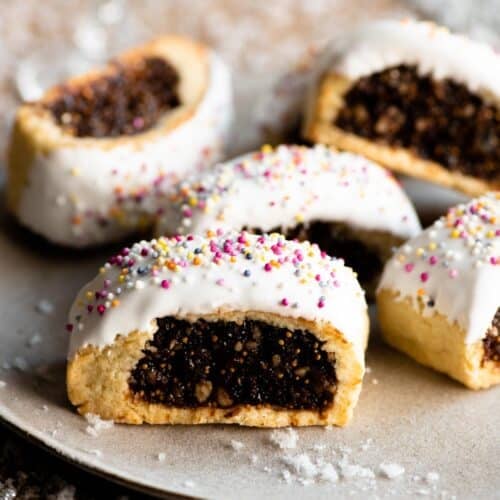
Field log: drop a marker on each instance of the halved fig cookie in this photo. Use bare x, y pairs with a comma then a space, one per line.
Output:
417, 99
350, 207
88, 161
439, 297
234, 328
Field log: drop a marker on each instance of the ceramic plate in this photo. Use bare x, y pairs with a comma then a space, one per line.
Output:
407, 415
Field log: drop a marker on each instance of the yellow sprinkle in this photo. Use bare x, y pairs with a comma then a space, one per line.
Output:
193, 201
267, 148
75, 171
299, 218
102, 270
432, 246
89, 295
121, 278
420, 292
233, 258
196, 261
455, 233
115, 303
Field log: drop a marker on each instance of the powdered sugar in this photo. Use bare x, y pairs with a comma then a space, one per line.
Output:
285, 439
96, 424
391, 470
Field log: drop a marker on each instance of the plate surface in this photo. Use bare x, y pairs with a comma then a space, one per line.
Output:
406, 415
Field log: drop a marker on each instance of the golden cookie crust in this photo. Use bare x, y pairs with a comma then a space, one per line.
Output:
318, 127
35, 131
434, 341
97, 382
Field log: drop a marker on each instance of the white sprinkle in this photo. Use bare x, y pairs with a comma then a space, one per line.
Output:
3, 384
375, 381
364, 446
368, 369
96, 424
286, 439
391, 471
161, 457
45, 307
45, 408
286, 476
237, 445
254, 458
139, 285
188, 483
35, 340
432, 477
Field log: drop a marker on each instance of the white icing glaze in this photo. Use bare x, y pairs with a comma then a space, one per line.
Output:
195, 275
72, 191
456, 264
433, 49
288, 185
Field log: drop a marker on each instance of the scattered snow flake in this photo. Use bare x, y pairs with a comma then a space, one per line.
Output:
391, 471
286, 439
45, 307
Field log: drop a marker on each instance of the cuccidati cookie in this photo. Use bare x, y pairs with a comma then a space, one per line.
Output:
415, 98
88, 161
349, 206
230, 328
439, 297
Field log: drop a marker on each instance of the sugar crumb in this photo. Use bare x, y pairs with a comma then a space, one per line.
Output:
161, 457
391, 470
96, 424
236, 445
286, 439
35, 340
188, 483
375, 381
432, 477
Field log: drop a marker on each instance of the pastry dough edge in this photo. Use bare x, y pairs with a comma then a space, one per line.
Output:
434, 341
97, 381
318, 127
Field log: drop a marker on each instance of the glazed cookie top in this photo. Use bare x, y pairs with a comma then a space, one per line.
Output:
286, 186
433, 49
453, 267
194, 275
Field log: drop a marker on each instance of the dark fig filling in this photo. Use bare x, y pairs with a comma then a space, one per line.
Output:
223, 364
438, 120
128, 102
491, 342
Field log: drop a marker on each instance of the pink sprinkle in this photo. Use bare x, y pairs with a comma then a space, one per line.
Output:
433, 260
317, 277
321, 303
101, 309
424, 277
187, 212
453, 273
69, 327
284, 302
165, 284
267, 267
220, 282
497, 232
144, 252
409, 267
494, 260
107, 283
90, 308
